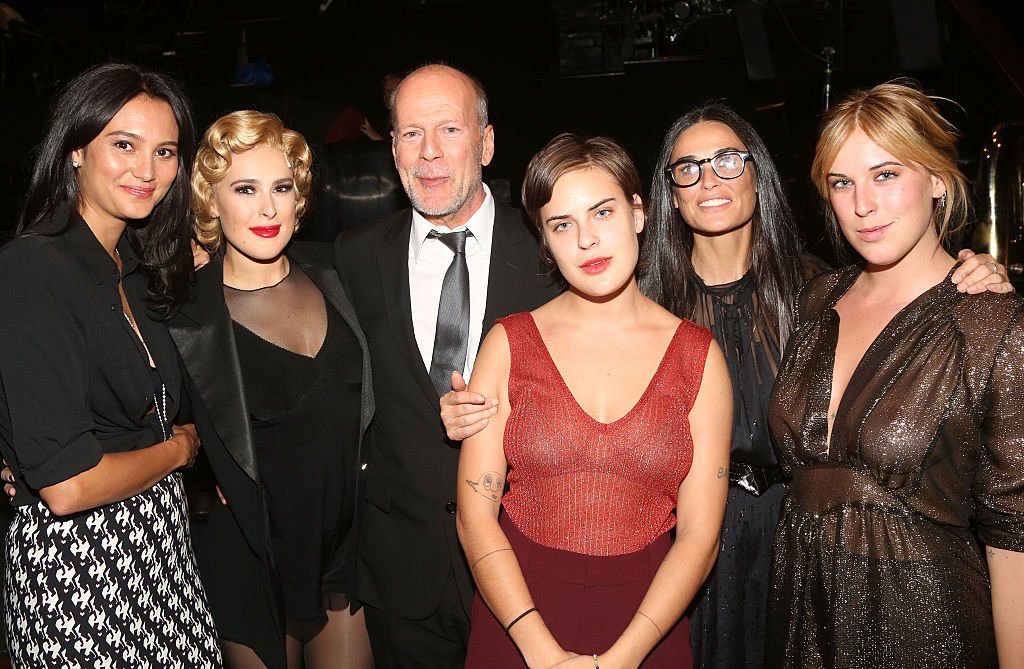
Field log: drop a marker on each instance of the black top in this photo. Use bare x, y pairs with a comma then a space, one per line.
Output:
76, 380
305, 418
751, 349
234, 551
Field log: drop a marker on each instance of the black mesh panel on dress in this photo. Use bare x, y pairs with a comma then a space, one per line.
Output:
290, 314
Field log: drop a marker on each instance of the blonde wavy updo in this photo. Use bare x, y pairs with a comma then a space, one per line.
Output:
233, 134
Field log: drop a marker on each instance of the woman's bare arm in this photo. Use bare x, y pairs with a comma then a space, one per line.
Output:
118, 476
700, 507
481, 481
1006, 570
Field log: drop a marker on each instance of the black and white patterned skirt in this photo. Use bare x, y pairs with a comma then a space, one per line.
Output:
113, 587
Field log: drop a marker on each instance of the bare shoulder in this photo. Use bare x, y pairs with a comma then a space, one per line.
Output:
492, 362
496, 338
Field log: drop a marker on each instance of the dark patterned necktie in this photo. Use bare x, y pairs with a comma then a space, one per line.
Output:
451, 336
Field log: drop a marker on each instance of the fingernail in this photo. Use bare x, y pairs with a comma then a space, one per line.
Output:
485, 421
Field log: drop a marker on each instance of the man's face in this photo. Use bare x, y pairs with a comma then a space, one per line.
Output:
438, 145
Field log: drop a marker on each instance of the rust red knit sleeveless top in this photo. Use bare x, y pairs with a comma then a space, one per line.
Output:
589, 487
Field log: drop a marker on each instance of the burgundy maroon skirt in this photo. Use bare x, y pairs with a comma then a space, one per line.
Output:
586, 601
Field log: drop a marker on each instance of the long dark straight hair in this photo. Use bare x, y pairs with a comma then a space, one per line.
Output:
83, 109
669, 277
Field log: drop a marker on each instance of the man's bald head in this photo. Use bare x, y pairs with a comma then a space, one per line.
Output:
441, 72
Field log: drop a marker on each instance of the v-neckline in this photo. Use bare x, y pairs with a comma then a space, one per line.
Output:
883, 335
565, 386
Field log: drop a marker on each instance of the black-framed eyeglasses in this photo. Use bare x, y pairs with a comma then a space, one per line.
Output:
727, 164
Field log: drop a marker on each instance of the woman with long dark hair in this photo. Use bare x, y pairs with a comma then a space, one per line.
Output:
732, 261
99, 566
722, 249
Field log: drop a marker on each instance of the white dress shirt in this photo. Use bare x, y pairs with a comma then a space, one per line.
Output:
429, 260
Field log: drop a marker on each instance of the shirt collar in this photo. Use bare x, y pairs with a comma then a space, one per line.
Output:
83, 244
481, 224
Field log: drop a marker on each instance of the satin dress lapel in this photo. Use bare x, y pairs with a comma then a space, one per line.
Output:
205, 339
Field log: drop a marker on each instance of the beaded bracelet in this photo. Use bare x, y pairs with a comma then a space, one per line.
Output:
522, 615
596, 665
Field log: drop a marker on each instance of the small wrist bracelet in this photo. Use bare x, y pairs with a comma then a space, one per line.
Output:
596, 665
532, 609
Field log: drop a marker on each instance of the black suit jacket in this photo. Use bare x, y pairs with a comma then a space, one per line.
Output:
407, 543
234, 550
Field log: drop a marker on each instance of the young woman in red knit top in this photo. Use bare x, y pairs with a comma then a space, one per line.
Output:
595, 390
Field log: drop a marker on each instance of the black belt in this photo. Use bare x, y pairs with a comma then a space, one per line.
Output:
755, 480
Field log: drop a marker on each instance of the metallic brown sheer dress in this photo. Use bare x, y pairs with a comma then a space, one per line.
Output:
878, 553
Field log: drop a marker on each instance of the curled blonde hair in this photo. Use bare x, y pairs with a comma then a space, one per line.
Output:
233, 134
901, 119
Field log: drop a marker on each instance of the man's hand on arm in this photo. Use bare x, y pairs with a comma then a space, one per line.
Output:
465, 413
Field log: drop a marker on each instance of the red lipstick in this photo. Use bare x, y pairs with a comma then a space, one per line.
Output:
596, 265
265, 231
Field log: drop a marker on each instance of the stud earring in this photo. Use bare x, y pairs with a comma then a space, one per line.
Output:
75, 164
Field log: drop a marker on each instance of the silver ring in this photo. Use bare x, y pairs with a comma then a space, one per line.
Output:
995, 267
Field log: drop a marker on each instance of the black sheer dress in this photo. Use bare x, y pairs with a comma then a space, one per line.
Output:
728, 619
878, 554
727, 622
302, 368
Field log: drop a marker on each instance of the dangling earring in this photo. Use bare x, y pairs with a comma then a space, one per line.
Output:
942, 202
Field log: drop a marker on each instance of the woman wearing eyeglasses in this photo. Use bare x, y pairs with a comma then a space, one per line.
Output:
721, 249
733, 262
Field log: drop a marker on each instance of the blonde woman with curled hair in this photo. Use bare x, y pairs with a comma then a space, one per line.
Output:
280, 371
898, 412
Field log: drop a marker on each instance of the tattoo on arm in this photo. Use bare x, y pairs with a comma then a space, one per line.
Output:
489, 485
721, 472
991, 553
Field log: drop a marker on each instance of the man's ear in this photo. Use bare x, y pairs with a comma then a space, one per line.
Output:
488, 146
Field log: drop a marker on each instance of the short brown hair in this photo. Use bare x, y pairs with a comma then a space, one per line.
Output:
233, 134
902, 120
569, 152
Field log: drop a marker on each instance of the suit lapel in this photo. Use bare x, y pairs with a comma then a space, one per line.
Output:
203, 333
393, 263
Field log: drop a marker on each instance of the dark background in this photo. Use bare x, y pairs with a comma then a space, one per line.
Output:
625, 69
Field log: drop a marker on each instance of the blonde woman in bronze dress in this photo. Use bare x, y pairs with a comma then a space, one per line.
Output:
898, 412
